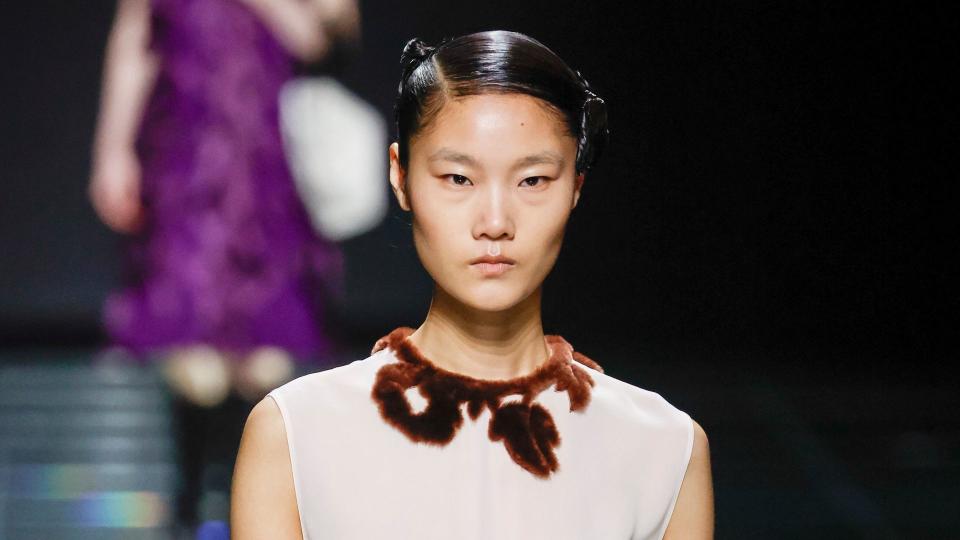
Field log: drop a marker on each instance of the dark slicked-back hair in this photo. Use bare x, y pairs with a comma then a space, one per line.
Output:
496, 62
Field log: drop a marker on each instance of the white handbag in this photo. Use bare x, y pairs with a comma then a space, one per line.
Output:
336, 146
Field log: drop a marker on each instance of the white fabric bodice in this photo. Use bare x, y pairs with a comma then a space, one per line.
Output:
621, 463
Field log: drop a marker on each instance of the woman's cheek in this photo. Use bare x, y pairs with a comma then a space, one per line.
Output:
549, 234
435, 249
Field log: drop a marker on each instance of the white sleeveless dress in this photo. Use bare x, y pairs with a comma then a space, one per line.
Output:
370, 459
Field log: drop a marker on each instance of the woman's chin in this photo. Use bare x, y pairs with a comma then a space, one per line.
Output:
492, 306
485, 299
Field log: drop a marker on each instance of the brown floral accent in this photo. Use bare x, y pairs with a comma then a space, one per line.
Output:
525, 427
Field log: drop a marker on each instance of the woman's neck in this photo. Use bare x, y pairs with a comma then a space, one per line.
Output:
483, 344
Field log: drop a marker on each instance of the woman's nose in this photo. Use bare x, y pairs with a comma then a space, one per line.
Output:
493, 217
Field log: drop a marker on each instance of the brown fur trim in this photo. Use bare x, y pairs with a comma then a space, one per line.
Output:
525, 427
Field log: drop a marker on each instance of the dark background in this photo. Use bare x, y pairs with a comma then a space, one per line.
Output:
759, 242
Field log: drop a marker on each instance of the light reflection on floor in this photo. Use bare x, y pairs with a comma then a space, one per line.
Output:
85, 452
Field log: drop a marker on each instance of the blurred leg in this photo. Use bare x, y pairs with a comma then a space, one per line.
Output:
199, 377
190, 421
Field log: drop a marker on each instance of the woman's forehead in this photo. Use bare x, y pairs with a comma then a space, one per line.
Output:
471, 128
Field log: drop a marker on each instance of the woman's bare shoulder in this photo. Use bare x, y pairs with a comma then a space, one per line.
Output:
693, 516
263, 495
265, 425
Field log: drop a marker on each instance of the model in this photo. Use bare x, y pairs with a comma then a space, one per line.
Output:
477, 425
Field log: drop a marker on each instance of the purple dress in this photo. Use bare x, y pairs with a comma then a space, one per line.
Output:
227, 256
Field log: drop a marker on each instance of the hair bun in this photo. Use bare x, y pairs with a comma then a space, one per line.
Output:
415, 52
594, 131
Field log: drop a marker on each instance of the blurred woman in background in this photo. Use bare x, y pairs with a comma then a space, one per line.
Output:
225, 280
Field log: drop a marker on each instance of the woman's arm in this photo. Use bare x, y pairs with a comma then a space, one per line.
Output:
693, 513
307, 27
128, 75
263, 503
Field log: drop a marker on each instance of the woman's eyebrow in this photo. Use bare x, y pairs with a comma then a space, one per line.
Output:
447, 154
546, 156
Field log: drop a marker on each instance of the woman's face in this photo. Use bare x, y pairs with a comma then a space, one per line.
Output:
491, 174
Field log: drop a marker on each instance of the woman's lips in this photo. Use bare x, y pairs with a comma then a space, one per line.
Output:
492, 269
491, 266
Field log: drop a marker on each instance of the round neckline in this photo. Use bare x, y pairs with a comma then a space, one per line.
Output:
406, 351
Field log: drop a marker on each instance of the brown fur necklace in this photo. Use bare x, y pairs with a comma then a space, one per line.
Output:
525, 427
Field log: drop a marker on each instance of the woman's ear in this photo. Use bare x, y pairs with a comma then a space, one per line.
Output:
577, 186
398, 179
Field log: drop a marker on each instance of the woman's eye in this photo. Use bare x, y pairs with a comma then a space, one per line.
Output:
533, 181
459, 179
